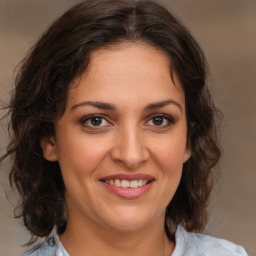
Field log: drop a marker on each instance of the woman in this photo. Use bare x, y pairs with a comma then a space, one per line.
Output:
114, 136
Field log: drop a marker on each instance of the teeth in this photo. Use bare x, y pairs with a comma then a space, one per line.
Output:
126, 183
140, 183
133, 184
117, 183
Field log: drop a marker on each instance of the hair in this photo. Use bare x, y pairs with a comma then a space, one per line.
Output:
39, 98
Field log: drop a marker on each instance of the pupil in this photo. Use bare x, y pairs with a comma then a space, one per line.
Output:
158, 120
96, 121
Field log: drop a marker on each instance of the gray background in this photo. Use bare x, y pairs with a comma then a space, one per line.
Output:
226, 30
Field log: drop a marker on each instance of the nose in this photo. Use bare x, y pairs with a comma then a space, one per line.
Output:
129, 148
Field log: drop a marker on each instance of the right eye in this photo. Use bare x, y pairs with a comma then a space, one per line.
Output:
95, 121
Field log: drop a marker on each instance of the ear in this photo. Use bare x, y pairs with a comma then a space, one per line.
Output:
187, 154
49, 149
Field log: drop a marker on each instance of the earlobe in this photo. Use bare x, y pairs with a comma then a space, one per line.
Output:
49, 149
187, 155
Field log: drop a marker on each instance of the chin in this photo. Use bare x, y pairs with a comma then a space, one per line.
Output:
129, 225
131, 220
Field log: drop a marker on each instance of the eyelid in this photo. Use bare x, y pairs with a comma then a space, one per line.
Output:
88, 117
168, 117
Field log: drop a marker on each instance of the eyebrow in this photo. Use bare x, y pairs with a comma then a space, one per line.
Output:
96, 104
109, 106
162, 104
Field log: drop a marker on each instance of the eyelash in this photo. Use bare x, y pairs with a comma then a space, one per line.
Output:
170, 120
90, 118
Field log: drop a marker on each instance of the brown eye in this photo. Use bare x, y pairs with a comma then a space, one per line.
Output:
160, 120
94, 121
157, 120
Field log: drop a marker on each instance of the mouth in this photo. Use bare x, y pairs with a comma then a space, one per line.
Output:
127, 183
128, 186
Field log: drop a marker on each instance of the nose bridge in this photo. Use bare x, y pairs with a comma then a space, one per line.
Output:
130, 148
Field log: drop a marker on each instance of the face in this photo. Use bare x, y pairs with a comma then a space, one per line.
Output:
121, 142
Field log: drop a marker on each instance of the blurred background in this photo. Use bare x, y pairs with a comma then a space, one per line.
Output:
226, 30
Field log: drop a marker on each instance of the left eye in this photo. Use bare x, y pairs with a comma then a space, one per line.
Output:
160, 121
94, 122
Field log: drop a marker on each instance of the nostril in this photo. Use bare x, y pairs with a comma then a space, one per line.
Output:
129, 149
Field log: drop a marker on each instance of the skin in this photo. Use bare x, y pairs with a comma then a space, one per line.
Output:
129, 140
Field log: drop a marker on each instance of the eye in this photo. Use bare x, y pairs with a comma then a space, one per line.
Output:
94, 121
160, 120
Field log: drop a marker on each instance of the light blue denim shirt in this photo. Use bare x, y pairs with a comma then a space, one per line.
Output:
187, 244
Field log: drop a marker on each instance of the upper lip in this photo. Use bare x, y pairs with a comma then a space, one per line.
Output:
129, 177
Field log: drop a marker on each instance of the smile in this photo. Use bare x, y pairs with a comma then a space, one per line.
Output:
127, 183
128, 186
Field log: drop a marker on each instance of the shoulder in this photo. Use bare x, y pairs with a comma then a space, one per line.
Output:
47, 248
188, 243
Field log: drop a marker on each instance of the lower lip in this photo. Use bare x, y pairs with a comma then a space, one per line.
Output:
129, 193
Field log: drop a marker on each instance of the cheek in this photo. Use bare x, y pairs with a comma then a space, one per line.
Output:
81, 154
169, 153
170, 160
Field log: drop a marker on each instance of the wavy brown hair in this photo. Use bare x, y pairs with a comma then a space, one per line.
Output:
39, 98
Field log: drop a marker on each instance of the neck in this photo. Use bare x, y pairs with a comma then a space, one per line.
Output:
90, 239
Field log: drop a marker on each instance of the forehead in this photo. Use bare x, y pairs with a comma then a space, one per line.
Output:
127, 70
